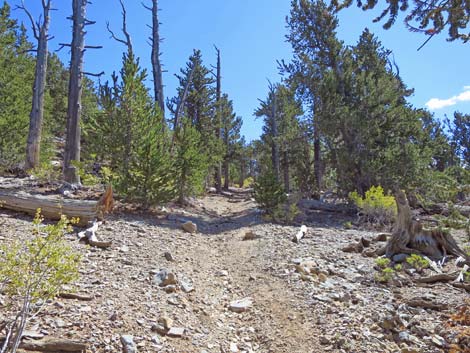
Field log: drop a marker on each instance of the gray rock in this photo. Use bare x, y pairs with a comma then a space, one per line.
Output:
164, 278
128, 344
186, 285
168, 256
240, 306
399, 258
176, 332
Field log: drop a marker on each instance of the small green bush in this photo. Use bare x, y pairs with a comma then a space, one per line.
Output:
417, 262
269, 193
375, 207
248, 183
385, 275
46, 172
32, 272
382, 262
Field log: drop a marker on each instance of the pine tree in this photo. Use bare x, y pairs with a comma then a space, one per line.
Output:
430, 17
231, 124
190, 162
130, 137
312, 35
198, 107
16, 75
460, 135
281, 131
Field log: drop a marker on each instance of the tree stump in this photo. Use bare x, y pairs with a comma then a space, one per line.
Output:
410, 237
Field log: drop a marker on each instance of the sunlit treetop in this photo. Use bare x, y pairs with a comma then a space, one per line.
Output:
428, 16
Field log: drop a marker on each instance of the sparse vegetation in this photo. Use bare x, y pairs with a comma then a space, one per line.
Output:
418, 262
33, 272
375, 207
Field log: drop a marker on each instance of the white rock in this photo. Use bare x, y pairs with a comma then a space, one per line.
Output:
242, 305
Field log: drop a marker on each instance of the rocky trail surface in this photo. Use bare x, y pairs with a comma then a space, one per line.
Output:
159, 288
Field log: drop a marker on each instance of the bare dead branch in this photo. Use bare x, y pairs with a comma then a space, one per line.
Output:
34, 26
93, 74
127, 42
63, 45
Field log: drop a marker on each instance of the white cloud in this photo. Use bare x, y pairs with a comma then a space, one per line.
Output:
437, 103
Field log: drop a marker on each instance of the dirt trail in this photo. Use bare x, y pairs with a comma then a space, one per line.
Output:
344, 310
275, 320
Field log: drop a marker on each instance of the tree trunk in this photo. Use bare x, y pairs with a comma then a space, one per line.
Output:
218, 168
410, 237
53, 206
156, 65
317, 163
74, 110
241, 181
226, 174
275, 144
286, 170
33, 144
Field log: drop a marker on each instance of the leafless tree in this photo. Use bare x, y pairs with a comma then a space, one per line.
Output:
218, 132
156, 64
74, 110
40, 30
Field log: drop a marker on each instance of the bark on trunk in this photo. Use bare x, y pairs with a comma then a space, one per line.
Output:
53, 206
52, 345
156, 64
410, 237
74, 110
317, 163
33, 144
275, 143
286, 170
226, 174
218, 168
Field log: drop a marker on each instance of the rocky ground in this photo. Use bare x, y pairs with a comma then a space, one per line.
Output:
265, 294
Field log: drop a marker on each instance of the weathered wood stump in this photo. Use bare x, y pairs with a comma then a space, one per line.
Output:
410, 237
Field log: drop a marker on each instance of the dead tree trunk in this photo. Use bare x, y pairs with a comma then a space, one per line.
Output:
410, 237
179, 108
155, 57
218, 168
41, 33
74, 110
74, 104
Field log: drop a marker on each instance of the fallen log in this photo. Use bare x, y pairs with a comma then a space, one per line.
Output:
441, 277
420, 303
52, 345
323, 206
53, 206
76, 296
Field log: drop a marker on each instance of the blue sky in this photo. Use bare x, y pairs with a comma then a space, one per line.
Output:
251, 37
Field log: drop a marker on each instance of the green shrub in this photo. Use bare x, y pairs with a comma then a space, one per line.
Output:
385, 275
46, 173
32, 272
417, 262
248, 183
375, 207
269, 193
382, 262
